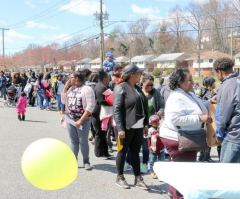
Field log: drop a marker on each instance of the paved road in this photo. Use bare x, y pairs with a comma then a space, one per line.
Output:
15, 136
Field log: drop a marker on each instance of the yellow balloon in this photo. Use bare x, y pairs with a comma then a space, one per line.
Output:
49, 164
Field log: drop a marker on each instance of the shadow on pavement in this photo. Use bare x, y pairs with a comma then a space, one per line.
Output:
35, 121
159, 189
105, 167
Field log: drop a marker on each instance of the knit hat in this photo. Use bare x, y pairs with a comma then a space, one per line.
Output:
154, 118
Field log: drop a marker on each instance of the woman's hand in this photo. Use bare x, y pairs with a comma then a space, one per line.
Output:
78, 124
214, 99
67, 86
145, 130
205, 118
121, 134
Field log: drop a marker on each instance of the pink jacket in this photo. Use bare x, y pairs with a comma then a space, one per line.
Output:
21, 104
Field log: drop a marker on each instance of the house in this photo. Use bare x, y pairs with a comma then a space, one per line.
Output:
95, 64
237, 62
207, 58
144, 61
171, 61
67, 66
48, 67
122, 61
83, 63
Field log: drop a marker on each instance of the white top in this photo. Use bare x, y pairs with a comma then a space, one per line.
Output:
139, 124
181, 110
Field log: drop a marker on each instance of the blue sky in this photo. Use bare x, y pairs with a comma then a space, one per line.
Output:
55, 20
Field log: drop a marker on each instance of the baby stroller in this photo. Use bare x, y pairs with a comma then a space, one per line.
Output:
13, 93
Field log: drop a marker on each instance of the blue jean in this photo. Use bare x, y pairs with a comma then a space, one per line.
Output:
3, 92
145, 151
80, 137
60, 105
156, 157
230, 152
43, 100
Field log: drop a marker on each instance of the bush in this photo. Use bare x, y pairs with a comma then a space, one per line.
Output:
157, 72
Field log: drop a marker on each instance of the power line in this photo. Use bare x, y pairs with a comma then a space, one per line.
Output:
39, 15
173, 18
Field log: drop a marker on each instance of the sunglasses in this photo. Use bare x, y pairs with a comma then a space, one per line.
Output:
149, 85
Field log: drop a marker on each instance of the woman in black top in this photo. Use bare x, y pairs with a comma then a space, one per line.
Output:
130, 114
101, 146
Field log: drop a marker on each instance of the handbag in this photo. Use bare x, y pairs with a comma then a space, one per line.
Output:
192, 140
27, 89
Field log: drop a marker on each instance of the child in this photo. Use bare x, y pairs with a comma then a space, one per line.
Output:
21, 106
155, 145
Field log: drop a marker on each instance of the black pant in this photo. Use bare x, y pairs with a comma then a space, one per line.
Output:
100, 145
132, 142
31, 98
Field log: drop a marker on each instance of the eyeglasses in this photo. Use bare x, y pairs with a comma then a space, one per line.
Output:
150, 85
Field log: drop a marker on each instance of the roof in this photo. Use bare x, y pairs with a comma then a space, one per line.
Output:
65, 63
122, 59
210, 55
95, 61
237, 55
143, 58
169, 57
84, 61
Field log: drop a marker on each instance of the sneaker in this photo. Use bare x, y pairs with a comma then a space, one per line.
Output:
87, 167
121, 182
110, 150
154, 176
144, 168
91, 138
127, 167
139, 183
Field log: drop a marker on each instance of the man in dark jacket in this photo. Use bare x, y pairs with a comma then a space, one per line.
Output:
3, 82
228, 111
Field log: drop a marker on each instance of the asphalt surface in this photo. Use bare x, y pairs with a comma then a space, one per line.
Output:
99, 183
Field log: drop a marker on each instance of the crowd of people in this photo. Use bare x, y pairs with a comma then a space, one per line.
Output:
124, 104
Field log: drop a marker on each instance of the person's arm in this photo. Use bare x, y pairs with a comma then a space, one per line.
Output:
224, 110
89, 96
119, 109
100, 97
178, 115
159, 103
65, 90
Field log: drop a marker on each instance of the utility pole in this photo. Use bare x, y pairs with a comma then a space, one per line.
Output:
101, 17
231, 40
102, 34
3, 45
199, 49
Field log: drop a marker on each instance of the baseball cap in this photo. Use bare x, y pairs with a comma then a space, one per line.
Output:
132, 69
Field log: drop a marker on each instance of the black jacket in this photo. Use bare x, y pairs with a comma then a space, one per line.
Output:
100, 99
158, 102
128, 106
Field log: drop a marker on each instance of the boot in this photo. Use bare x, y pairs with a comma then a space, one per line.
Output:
19, 118
23, 117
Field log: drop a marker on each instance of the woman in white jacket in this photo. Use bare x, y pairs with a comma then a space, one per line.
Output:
185, 110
